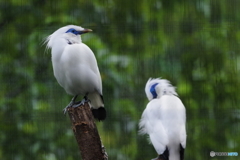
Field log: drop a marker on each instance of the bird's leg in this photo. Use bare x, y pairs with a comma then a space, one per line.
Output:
71, 104
84, 100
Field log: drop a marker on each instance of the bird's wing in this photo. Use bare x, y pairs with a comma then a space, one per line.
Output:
159, 138
93, 65
183, 136
80, 67
151, 124
95, 96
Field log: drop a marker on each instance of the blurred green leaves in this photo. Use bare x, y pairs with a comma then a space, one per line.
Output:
194, 44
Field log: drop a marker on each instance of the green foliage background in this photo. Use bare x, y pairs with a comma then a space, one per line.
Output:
192, 43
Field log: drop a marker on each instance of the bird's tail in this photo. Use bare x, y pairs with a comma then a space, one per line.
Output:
97, 105
99, 113
176, 153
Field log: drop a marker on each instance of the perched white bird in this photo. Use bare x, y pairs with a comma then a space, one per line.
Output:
164, 120
75, 67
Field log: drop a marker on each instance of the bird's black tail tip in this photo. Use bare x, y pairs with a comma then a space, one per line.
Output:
99, 113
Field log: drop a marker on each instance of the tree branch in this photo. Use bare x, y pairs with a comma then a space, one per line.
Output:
86, 133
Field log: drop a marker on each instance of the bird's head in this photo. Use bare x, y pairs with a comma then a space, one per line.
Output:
70, 33
157, 87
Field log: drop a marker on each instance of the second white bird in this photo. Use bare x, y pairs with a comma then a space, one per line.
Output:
164, 120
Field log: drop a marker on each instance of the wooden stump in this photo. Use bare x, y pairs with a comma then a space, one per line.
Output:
86, 133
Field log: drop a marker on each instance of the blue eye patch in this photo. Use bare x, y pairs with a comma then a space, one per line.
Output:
72, 30
153, 90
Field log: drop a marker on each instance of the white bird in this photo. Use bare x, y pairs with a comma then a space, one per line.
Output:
75, 67
164, 120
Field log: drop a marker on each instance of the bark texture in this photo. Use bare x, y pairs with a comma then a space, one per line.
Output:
86, 133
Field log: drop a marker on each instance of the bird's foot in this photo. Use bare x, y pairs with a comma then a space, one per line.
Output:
70, 104
82, 102
76, 104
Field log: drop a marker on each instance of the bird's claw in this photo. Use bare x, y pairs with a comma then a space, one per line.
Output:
81, 103
66, 108
75, 104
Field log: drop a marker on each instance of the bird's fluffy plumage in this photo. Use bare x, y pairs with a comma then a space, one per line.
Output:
74, 64
164, 118
163, 88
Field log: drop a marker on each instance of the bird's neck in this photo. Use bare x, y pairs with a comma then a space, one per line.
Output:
72, 39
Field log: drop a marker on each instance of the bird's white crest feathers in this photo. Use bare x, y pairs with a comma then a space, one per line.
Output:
49, 40
163, 87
